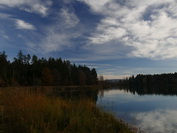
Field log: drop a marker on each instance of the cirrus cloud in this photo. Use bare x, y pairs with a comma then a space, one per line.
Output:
36, 6
147, 26
59, 35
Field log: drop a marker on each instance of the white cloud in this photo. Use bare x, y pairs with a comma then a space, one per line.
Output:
107, 31
59, 35
68, 18
20, 24
36, 6
40, 9
149, 27
53, 41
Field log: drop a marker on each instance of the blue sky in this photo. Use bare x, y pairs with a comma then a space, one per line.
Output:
117, 37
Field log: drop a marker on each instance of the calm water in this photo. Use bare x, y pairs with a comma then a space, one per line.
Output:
152, 113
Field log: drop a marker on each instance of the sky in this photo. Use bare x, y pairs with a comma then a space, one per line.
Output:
117, 37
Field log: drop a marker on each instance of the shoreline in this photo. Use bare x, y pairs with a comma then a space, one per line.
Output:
37, 112
18, 101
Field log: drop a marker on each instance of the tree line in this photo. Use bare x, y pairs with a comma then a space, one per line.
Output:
151, 80
151, 84
27, 70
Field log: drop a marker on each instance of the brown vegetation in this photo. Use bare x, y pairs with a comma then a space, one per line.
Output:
29, 112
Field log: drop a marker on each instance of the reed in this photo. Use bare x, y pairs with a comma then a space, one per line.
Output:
29, 112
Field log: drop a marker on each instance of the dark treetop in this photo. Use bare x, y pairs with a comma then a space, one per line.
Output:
30, 70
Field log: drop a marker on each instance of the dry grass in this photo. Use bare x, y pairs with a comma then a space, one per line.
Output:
27, 112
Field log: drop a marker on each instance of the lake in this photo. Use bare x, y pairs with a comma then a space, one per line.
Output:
152, 113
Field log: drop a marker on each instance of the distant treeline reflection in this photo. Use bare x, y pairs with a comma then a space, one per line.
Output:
65, 92
165, 84
76, 93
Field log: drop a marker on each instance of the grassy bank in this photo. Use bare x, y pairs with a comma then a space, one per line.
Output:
29, 112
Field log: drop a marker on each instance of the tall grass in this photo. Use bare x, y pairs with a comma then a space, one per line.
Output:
29, 112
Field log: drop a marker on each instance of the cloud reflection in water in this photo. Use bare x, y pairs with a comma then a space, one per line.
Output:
152, 113
158, 121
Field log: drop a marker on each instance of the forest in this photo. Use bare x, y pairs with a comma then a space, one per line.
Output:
151, 80
27, 70
151, 84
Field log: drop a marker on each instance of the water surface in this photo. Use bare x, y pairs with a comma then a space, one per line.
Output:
152, 113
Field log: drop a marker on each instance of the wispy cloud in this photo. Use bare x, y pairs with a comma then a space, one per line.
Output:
5, 16
68, 18
36, 6
59, 35
147, 26
20, 24
3, 35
